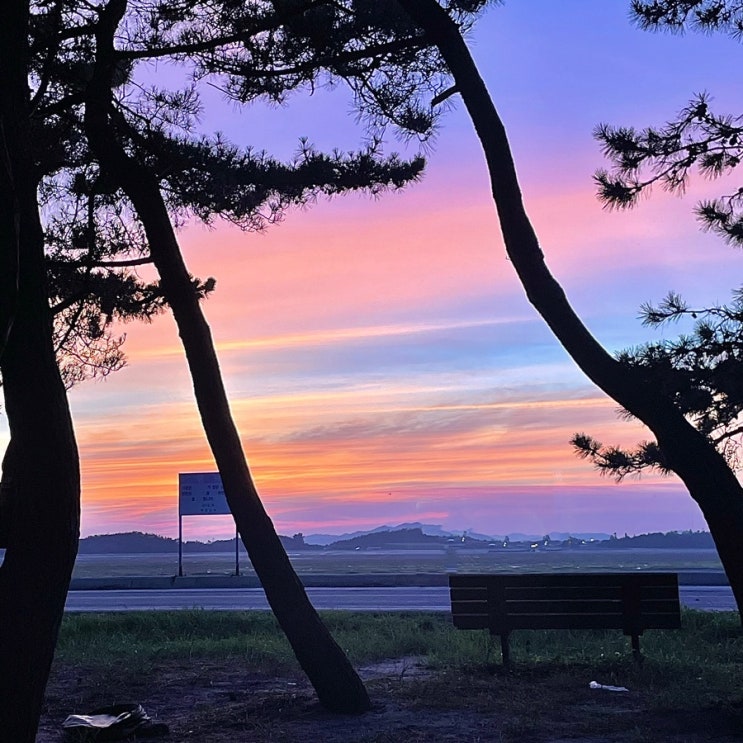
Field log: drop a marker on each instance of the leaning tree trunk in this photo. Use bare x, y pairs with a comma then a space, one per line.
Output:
704, 471
337, 684
40, 490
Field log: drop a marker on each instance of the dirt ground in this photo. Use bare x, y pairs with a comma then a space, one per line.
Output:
221, 702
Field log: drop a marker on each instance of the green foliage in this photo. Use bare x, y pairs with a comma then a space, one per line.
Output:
454, 686
618, 462
701, 372
696, 139
708, 648
142, 638
679, 15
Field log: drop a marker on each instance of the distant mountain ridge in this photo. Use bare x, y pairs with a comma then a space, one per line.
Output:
436, 530
406, 535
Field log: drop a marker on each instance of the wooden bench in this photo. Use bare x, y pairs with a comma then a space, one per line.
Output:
632, 602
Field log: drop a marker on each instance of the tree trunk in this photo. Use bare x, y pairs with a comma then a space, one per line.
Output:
337, 684
40, 478
9, 237
704, 471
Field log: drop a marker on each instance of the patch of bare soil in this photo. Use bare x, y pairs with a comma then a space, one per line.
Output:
222, 702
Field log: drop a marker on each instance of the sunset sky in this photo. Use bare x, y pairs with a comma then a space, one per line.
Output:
381, 359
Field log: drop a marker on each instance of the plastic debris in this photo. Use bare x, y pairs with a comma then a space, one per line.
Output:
606, 687
118, 722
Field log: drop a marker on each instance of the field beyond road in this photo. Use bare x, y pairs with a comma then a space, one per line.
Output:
344, 562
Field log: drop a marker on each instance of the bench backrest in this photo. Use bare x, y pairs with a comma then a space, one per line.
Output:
631, 602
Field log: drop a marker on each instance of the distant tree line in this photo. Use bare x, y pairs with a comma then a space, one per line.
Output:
137, 541
671, 539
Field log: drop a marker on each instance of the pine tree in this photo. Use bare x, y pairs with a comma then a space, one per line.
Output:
119, 167
685, 450
700, 371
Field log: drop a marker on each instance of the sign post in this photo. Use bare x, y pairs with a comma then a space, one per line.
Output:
200, 494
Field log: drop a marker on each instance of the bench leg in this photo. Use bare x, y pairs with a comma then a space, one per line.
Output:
636, 648
505, 649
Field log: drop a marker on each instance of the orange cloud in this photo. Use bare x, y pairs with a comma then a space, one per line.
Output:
333, 449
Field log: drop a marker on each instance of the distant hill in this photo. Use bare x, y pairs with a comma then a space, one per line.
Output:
433, 530
436, 530
400, 538
323, 540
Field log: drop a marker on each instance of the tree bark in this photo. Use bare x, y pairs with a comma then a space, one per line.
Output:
707, 476
40, 478
337, 684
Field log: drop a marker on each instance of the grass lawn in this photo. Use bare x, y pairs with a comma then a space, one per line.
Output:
215, 677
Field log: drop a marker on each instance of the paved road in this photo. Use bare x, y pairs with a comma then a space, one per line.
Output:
707, 598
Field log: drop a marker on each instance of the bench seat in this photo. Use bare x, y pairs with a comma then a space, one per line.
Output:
501, 603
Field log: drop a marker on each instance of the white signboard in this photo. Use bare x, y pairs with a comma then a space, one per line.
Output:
201, 493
